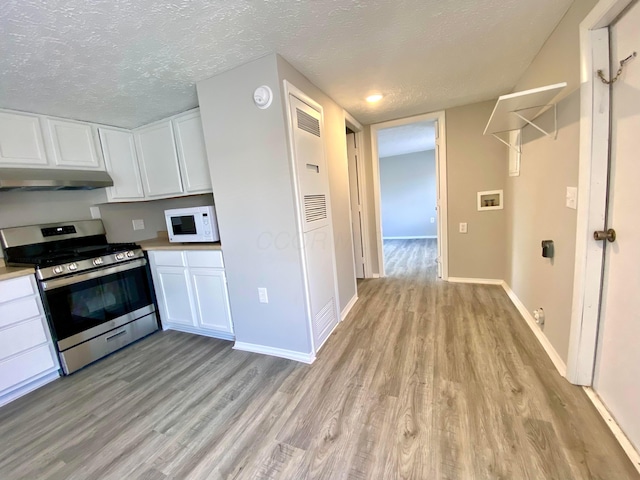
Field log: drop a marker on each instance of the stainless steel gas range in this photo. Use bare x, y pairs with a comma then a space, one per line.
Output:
97, 295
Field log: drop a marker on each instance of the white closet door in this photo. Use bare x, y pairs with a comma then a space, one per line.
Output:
618, 358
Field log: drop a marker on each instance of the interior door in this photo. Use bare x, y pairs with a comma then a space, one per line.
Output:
356, 204
618, 354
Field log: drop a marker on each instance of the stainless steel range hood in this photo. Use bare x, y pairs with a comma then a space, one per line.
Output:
39, 179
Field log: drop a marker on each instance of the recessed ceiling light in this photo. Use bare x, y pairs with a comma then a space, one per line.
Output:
374, 98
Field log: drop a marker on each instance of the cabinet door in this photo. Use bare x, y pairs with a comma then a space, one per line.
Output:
174, 295
119, 151
21, 140
158, 160
211, 299
72, 144
194, 163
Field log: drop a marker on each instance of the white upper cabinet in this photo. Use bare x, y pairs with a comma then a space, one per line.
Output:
191, 152
158, 160
72, 144
21, 140
119, 149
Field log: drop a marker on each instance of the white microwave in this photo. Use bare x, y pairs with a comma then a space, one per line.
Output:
192, 224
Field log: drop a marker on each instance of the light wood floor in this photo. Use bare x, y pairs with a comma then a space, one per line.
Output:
423, 380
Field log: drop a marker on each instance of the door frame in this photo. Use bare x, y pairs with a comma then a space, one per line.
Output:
357, 127
592, 189
441, 183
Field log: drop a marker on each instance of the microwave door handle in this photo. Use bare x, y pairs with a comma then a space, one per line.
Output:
63, 282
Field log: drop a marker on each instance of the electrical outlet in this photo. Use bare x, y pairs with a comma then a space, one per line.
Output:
463, 227
95, 212
572, 197
539, 317
432, 220
138, 224
262, 295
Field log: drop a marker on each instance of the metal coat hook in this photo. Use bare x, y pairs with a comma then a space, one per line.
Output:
622, 64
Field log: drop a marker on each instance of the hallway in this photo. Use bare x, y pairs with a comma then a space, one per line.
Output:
423, 380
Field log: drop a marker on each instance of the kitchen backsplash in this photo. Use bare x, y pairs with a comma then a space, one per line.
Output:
31, 208
118, 217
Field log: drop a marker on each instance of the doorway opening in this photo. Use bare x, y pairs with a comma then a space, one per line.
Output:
409, 168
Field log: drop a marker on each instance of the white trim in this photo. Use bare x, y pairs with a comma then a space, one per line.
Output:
542, 338
441, 187
348, 307
478, 281
624, 441
410, 237
354, 125
29, 387
275, 352
592, 189
375, 275
197, 331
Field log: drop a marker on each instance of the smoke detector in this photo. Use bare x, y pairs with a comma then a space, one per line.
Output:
262, 97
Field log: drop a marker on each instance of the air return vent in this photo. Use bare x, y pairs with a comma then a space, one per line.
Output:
324, 320
308, 123
315, 208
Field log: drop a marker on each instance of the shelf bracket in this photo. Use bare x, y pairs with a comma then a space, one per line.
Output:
516, 148
555, 122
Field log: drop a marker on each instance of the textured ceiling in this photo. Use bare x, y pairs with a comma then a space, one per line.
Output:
415, 137
129, 62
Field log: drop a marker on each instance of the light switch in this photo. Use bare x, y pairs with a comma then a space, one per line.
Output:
572, 197
262, 295
463, 227
432, 220
95, 212
138, 224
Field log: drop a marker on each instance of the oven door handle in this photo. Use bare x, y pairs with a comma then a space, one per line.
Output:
63, 282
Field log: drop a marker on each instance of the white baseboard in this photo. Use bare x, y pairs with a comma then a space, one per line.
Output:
624, 441
413, 237
479, 281
30, 387
348, 307
375, 275
542, 338
204, 333
275, 352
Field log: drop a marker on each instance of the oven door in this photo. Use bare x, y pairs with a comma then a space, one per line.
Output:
83, 306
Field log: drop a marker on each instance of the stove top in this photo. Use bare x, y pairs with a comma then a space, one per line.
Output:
58, 249
52, 258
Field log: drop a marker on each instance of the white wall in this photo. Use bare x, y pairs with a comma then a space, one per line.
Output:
535, 201
249, 164
408, 195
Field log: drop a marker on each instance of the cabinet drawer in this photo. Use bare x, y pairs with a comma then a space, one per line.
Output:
205, 258
19, 310
21, 337
24, 366
16, 288
169, 258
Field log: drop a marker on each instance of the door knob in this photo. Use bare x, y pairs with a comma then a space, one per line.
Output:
609, 235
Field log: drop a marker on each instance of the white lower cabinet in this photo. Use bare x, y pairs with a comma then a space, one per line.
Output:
191, 290
28, 358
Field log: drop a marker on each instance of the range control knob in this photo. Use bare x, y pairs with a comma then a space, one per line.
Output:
131, 253
120, 256
98, 261
72, 266
58, 270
